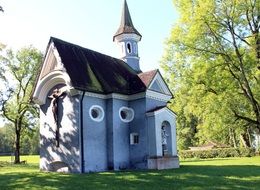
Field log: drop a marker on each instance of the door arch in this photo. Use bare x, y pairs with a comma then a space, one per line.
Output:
166, 135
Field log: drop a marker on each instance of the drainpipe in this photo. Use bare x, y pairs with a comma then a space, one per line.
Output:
81, 134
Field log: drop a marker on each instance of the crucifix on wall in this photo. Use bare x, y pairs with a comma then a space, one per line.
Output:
55, 96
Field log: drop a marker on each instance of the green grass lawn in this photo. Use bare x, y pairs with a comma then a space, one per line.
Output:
230, 173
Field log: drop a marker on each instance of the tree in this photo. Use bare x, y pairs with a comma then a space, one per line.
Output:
29, 140
212, 61
6, 138
17, 73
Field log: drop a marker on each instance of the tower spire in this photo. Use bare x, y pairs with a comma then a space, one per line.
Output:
126, 25
127, 38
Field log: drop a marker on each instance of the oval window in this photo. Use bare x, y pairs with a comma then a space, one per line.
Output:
96, 113
126, 114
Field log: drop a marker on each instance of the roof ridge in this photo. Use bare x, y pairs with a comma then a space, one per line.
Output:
79, 46
147, 77
97, 72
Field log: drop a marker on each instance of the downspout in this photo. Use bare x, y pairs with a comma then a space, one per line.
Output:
81, 134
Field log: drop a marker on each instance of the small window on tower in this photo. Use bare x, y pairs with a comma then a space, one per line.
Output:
129, 49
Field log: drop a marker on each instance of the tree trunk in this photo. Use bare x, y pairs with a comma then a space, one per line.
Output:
233, 137
18, 126
249, 137
245, 141
17, 147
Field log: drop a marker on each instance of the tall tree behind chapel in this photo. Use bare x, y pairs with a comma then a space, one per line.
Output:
212, 62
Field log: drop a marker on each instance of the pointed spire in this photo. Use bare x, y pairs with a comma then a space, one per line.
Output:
126, 25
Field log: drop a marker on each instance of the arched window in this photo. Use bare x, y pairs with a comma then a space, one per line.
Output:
96, 113
166, 138
129, 48
126, 114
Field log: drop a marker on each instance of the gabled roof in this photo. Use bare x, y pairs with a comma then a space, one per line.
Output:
152, 77
95, 72
147, 77
126, 25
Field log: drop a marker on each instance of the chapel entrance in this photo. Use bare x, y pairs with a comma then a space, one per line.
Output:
166, 139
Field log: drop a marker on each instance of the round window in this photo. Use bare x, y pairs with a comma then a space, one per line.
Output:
96, 113
126, 114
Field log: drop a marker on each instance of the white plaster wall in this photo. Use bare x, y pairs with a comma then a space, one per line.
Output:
159, 119
68, 151
94, 134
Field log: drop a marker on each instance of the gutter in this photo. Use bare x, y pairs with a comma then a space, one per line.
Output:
81, 134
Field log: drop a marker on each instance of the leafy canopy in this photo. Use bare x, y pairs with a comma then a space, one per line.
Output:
212, 65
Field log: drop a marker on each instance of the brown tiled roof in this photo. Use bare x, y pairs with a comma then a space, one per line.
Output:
126, 25
147, 77
95, 72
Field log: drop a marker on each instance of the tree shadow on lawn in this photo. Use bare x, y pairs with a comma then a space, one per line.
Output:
187, 177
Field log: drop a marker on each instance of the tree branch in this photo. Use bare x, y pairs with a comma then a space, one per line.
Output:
245, 118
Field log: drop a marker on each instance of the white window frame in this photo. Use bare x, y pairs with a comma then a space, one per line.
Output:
100, 111
130, 114
132, 138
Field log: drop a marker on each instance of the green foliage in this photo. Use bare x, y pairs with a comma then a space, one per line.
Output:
29, 140
217, 153
6, 139
17, 74
211, 64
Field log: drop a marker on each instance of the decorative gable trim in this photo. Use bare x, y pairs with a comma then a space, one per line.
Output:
116, 96
148, 94
129, 36
159, 111
52, 73
45, 84
158, 96
52, 62
161, 84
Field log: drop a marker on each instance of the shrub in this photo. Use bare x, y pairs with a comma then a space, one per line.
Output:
217, 153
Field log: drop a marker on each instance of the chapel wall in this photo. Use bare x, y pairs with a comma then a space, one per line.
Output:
120, 138
139, 151
67, 154
94, 134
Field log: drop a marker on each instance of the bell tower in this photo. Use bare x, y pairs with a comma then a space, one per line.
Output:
127, 38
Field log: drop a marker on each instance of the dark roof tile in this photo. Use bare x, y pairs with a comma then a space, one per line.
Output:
96, 72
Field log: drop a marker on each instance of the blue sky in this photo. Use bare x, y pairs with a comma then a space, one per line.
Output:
88, 23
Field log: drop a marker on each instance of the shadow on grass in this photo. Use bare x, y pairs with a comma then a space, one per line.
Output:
187, 177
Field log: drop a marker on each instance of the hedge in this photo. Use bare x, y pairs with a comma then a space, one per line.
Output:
217, 153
